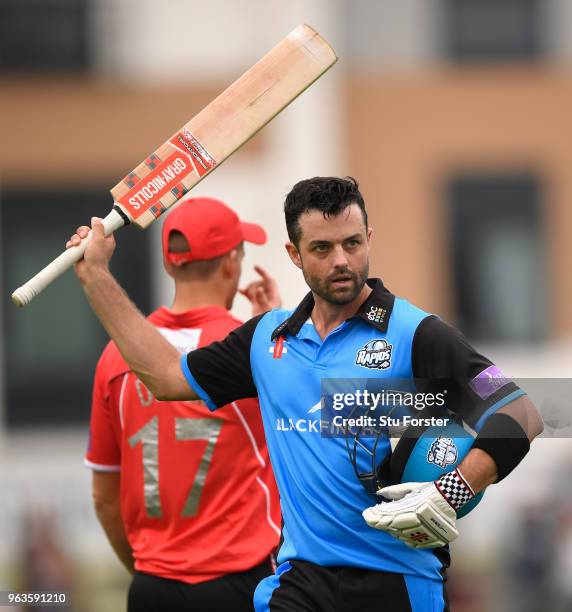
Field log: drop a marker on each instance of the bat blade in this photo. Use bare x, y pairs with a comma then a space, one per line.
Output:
205, 141
223, 126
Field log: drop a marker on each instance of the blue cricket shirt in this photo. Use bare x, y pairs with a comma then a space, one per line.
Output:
280, 358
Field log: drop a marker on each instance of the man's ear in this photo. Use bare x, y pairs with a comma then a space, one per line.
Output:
229, 262
170, 268
294, 254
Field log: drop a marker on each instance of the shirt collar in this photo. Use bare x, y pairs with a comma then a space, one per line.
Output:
375, 311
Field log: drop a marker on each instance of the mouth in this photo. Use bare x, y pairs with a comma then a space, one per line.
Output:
341, 281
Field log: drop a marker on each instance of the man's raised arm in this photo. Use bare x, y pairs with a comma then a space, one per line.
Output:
153, 360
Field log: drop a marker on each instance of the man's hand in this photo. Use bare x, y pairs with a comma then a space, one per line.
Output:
263, 294
422, 514
419, 515
98, 252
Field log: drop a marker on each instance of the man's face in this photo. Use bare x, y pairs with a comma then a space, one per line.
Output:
333, 253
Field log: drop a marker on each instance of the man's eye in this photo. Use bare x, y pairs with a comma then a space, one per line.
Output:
321, 248
352, 243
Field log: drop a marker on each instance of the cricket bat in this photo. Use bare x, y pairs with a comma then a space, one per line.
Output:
204, 142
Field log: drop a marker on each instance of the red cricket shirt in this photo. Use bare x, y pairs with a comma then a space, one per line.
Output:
198, 497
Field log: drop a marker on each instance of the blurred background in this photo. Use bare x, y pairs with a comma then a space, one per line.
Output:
454, 116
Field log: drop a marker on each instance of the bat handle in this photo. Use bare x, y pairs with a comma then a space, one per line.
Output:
27, 292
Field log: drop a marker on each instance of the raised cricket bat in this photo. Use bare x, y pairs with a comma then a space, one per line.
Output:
204, 142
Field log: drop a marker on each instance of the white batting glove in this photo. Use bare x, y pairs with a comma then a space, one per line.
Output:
422, 514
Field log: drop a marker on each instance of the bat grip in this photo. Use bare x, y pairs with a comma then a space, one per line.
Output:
27, 292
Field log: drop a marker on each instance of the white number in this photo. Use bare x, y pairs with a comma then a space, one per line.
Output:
145, 396
185, 429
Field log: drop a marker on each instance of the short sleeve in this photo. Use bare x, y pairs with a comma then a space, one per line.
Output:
103, 451
476, 388
220, 373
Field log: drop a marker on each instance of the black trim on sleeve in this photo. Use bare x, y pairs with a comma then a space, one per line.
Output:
442, 358
222, 368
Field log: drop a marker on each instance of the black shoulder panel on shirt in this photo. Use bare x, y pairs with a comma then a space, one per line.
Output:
440, 350
441, 353
222, 368
436, 348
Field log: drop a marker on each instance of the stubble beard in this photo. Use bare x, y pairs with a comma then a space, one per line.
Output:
325, 289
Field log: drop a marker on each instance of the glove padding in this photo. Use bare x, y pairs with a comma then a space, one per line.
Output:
419, 515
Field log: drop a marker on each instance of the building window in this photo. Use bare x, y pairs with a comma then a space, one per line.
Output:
490, 30
44, 35
52, 345
497, 248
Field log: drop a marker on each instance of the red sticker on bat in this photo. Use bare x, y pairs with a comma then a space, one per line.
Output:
188, 144
167, 175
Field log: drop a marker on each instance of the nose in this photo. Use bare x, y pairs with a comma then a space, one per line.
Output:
339, 255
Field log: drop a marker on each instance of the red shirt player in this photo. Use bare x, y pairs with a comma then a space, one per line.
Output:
187, 497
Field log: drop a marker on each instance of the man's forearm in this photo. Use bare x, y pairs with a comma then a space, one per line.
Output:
148, 354
109, 517
478, 469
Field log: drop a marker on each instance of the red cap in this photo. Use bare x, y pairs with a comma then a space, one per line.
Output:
211, 229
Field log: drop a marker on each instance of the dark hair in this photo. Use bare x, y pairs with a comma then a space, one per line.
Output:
330, 195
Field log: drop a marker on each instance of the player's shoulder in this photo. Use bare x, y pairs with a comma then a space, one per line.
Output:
429, 327
406, 310
227, 323
273, 319
262, 325
211, 321
277, 314
111, 364
217, 328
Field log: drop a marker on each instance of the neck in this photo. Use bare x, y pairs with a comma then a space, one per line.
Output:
197, 294
327, 316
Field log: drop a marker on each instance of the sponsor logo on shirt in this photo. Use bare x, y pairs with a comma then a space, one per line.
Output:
301, 425
278, 348
376, 355
376, 314
488, 382
443, 452
315, 407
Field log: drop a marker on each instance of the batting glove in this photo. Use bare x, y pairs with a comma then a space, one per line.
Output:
422, 514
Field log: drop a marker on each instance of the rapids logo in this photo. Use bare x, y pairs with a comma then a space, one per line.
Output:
376, 355
443, 452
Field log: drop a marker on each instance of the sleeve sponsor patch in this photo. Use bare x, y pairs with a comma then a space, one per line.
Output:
489, 381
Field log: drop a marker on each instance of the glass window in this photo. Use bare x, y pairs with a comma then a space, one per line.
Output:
497, 248
44, 35
488, 30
